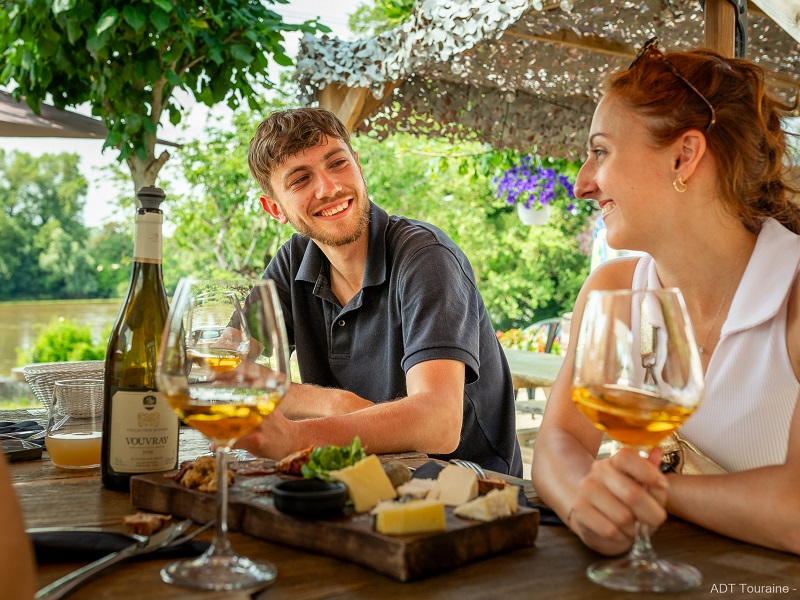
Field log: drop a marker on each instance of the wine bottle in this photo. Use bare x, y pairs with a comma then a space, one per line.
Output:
140, 429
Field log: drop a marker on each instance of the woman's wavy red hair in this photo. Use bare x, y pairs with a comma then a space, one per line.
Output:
746, 143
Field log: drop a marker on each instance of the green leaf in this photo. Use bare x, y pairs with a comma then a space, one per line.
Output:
134, 17
152, 69
240, 52
96, 44
60, 6
215, 54
133, 122
174, 53
172, 78
107, 20
160, 19
282, 59
74, 30
325, 459
164, 5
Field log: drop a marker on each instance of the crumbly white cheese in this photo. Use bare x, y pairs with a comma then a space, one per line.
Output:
454, 486
495, 504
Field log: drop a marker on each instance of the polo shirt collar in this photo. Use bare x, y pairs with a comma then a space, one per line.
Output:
314, 261
375, 269
766, 280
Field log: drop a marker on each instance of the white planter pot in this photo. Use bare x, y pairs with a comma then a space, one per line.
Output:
533, 216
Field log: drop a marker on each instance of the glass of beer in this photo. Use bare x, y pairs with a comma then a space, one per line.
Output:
638, 377
224, 367
75, 423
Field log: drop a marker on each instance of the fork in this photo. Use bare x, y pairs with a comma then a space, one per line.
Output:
23, 435
468, 464
190, 536
68, 583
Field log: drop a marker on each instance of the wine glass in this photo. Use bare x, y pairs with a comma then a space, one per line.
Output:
638, 377
224, 366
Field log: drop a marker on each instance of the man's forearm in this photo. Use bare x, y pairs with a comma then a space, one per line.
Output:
398, 426
305, 401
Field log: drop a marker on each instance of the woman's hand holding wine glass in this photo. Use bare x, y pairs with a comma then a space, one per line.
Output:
637, 377
224, 366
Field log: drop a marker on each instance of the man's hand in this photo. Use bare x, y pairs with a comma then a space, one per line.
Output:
270, 439
616, 493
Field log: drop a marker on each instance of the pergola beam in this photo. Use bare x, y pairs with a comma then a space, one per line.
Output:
720, 27
786, 13
569, 38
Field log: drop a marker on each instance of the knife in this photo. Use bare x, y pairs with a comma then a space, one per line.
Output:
61, 587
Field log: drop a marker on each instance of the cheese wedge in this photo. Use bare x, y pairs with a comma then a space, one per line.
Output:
415, 516
454, 486
418, 488
367, 483
495, 504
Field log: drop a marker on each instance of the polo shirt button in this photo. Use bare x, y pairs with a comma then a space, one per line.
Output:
341, 323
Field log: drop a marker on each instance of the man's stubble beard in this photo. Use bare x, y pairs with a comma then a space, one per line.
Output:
331, 240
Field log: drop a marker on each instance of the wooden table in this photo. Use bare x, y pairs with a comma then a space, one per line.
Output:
553, 569
532, 369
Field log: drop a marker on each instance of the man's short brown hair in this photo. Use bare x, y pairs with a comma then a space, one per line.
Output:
288, 132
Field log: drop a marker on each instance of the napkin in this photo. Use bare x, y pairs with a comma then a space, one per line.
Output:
87, 546
547, 516
21, 430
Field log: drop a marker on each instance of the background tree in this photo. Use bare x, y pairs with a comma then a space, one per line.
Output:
371, 19
524, 273
127, 59
112, 249
42, 234
222, 224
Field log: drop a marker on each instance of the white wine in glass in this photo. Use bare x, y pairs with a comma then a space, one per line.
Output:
638, 377
224, 366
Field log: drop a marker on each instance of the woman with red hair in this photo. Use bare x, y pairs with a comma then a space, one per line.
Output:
688, 162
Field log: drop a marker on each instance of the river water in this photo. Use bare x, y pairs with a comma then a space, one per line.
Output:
21, 322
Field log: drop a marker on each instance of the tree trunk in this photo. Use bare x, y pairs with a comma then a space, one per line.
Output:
145, 173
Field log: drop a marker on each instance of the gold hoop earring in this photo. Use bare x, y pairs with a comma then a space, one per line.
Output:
680, 185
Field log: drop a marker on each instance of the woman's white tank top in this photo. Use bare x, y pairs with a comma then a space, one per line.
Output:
751, 388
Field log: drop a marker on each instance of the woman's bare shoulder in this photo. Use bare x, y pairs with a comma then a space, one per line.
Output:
616, 274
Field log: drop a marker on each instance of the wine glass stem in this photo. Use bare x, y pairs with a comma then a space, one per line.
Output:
220, 544
642, 551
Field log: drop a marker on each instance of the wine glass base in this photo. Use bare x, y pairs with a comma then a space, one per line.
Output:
642, 576
219, 573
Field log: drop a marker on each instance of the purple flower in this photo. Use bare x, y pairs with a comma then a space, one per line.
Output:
532, 184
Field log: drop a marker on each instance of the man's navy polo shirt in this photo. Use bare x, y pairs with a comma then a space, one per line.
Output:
418, 302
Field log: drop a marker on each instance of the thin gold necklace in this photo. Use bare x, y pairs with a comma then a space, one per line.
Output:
702, 347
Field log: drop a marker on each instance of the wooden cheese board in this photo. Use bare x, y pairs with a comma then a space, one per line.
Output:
350, 536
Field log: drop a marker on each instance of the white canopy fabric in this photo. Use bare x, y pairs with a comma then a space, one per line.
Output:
518, 73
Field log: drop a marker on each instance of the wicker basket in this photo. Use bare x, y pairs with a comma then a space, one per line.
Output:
42, 376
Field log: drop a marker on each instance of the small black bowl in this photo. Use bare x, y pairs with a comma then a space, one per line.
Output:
310, 497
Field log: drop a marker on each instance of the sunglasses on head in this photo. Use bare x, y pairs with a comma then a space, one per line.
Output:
650, 51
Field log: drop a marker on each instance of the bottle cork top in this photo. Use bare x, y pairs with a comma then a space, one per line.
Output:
150, 196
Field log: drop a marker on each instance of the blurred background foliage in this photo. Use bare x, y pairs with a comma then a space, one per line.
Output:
214, 225
217, 228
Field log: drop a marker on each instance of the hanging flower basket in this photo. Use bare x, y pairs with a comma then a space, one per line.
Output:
533, 215
533, 188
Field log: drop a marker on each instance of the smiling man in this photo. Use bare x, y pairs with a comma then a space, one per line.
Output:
391, 334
